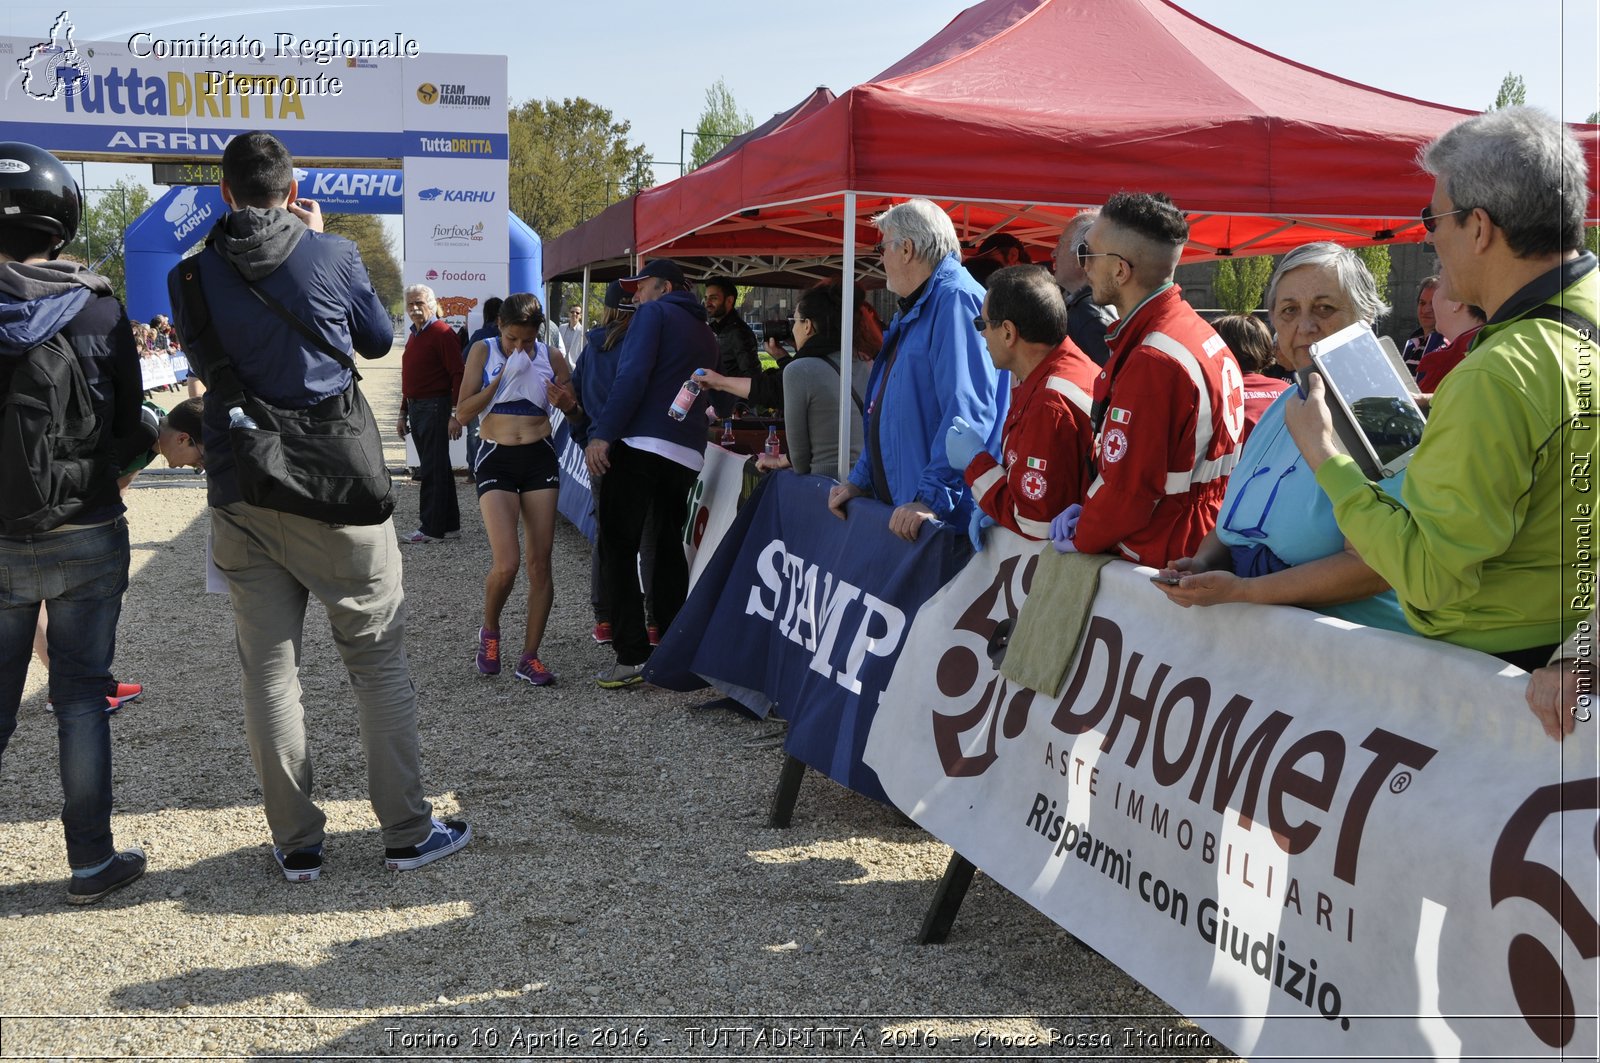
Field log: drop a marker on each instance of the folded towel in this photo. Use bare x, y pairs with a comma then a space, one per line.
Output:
1051, 622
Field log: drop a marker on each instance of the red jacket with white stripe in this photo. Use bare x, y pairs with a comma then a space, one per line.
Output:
1174, 415
1046, 444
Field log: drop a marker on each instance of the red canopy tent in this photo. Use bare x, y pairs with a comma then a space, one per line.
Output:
1021, 111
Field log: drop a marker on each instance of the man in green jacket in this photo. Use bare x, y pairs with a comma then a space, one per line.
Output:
1493, 547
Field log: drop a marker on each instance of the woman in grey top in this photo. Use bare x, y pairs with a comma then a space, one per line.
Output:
811, 388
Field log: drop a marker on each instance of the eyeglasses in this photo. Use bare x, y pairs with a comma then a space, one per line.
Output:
1258, 530
879, 247
1430, 222
984, 324
1084, 255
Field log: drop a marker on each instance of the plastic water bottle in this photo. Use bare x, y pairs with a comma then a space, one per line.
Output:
772, 448
237, 418
727, 439
685, 401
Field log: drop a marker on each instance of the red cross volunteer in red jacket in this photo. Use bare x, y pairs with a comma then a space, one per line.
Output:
1169, 403
1047, 439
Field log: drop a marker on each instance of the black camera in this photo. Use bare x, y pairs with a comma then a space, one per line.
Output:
781, 330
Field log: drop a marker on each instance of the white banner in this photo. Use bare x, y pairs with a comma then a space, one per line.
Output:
180, 90
1311, 838
457, 234
713, 503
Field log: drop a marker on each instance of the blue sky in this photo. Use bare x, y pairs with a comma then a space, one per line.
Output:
651, 62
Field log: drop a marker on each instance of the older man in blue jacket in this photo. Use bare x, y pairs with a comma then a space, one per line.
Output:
932, 370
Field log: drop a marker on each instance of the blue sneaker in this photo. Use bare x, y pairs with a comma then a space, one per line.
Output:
124, 868
300, 865
448, 836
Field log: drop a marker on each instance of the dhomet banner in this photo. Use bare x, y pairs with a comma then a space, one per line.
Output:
1313, 839
181, 91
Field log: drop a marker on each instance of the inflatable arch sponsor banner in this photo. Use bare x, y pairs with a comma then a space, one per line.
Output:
1310, 837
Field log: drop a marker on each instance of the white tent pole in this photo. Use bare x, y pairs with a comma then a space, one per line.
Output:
847, 332
583, 305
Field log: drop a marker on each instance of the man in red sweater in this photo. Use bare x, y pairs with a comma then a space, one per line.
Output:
1169, 405
430, 380
1047, 439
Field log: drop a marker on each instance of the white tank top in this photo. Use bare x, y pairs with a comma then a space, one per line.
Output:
526, 393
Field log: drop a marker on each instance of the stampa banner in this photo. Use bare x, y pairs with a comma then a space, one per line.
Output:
1311, 838
800, 610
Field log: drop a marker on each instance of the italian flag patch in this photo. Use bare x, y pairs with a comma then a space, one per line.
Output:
1120, 416
1036, 463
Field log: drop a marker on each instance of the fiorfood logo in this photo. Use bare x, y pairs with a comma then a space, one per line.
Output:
457, 235
54, 67
428, 93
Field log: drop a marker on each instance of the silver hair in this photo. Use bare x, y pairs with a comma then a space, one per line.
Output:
930, 230
422, 290
1078, 227
1354, 278
1521, 166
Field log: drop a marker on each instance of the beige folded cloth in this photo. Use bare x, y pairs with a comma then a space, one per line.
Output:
1051, 622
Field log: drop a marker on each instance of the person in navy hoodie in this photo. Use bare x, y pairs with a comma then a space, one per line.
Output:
273, 562
75, 555
648, 458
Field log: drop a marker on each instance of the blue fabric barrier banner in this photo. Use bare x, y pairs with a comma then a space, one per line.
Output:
806, 614
576, 499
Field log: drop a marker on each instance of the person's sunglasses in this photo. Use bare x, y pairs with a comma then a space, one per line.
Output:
1430, 222
1084, 255
983, 324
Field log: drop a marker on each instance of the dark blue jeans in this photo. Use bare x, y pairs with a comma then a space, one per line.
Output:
82, 574
430, 428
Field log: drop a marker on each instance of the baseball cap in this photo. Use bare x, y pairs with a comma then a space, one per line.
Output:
617, 299
1001, 241
662, 268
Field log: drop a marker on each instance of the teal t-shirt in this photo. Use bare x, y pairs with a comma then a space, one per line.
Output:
1273, 496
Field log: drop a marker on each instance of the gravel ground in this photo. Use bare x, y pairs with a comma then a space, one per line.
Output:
621, 865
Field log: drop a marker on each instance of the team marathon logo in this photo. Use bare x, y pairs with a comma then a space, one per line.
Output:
54, 67
447, 94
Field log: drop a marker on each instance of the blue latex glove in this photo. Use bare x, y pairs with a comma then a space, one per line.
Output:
980, 520
962, 443
1065, 528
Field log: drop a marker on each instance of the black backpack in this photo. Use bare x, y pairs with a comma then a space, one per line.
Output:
50, 458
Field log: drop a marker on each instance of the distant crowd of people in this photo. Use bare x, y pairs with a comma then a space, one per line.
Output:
1086, 404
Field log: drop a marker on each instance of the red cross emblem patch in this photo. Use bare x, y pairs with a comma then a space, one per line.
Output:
1115, 445
1033, 484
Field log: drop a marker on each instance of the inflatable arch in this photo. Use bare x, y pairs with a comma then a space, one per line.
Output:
158, 238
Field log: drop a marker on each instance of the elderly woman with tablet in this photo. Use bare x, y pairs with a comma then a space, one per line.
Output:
1276, 540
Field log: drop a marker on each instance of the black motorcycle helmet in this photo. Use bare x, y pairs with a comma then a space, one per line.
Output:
37, 192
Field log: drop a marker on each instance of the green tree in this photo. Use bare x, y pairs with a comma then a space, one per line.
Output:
720, 122
107, 213
377, 252
569, 161
1240, 283
1513, 93
1377, 261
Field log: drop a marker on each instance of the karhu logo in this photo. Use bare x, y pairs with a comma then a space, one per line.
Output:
811, 609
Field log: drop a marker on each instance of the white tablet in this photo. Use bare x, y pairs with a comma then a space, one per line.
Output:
1382, 421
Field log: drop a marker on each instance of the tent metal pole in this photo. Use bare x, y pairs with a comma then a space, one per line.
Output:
847, 333
583, 308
